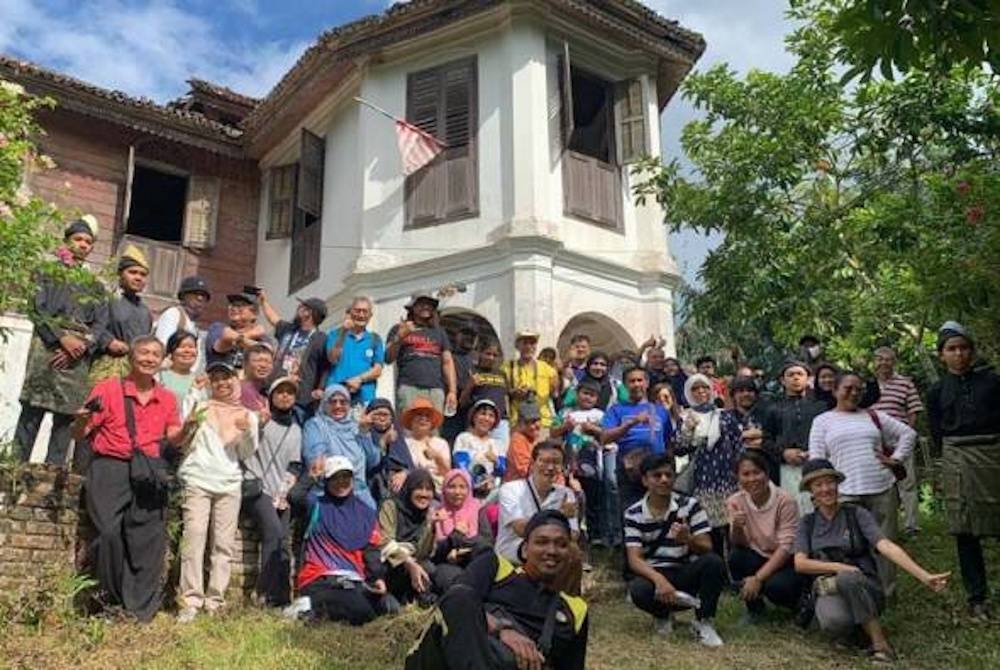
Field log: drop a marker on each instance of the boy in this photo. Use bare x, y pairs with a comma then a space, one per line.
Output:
581, 426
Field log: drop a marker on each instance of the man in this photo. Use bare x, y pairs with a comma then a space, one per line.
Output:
56, 376
963, 411
526, 434
122, 319
496, 616
676, 377
899, 399
810, 350
422, 354
355, 354
655, 362
530, 379
786, 425
576, 360
463, 353
299, 351
638, 427
126, 420
227, 342
194, 296
669, 548
706, 365
258, 370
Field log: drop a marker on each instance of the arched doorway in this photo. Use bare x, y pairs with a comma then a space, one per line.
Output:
605, 334
456, 319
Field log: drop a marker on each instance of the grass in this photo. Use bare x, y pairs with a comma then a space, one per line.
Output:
929, 631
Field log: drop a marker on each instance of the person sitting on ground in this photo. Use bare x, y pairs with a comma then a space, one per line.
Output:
427, 450
212, 475
122, 318
763, 521
522, 498
390, 440
341, 574
333, 431
277, 463
180, 378
596, 370
496, 616
461, 530
407, 539
711, 438
487, 382
835, 543
194, 296
669, 550
482, 450
526, 435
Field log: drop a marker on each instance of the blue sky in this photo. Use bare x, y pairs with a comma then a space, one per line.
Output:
150, 47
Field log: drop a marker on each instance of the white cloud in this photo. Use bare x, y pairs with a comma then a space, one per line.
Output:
148, 49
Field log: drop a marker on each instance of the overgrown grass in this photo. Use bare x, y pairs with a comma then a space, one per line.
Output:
929, 631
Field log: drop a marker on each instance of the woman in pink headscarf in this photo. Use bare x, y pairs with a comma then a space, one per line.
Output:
461, 529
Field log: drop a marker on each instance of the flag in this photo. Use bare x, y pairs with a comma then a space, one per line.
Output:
417, 148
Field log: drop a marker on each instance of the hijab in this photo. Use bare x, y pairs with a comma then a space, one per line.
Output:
410, 521
282, 417
223, 413
468, 513
707, 428
397, 455
346, 520
604, 382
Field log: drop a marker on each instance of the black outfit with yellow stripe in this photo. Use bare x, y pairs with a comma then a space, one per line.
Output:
459, 637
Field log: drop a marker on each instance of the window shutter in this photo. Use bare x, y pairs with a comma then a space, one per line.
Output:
554, 106
201, 212
281, 200
566, 91
631, 117
309, 195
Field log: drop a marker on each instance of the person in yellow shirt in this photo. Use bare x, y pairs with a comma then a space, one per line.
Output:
531, 379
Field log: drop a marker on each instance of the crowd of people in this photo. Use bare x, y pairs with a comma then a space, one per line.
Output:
487, 485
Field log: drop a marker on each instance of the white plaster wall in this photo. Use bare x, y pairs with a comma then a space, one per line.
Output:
15, 341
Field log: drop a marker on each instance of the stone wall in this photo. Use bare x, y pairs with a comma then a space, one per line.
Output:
44, 530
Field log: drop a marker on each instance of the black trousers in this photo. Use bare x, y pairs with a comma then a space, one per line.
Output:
128, 554
275, 561
783, 588
703, 577
27, 428
400, 586
972, 566
333, 602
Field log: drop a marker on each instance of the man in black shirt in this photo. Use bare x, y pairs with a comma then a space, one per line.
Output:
422, 354
786, 425
300, 349
963, 410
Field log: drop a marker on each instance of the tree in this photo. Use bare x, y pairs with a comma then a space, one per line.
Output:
864, 214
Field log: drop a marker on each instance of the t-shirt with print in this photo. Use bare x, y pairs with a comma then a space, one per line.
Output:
418, 359
490, 385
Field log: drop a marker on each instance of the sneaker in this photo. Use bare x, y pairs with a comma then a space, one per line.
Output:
663, 626
187, 615
299, 607
587, 567
705, 632
979, 613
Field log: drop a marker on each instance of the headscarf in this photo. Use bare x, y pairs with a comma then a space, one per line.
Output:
223, 413
282, 417
707, 427
336, 429
397, 455
606, 390
410, 521
346, 520
468, 513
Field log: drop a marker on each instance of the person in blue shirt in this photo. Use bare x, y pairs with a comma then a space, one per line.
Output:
356, 354
638, 428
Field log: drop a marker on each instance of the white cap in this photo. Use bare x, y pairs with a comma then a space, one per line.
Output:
335, 464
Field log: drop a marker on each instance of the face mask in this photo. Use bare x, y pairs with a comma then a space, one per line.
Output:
813, 351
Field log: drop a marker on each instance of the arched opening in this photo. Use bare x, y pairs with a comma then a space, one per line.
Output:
455, 319
605, 334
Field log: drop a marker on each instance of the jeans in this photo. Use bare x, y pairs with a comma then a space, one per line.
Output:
703, 577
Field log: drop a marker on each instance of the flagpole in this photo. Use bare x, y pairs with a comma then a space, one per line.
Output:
376, 108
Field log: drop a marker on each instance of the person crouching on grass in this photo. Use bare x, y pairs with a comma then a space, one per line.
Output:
836, 544
499, 616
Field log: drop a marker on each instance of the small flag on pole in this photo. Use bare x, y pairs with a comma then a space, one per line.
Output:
417, 148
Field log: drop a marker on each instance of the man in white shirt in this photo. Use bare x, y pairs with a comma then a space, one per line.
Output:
194, 296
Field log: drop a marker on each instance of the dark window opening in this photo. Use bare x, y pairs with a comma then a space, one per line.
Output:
592, 114
156, 210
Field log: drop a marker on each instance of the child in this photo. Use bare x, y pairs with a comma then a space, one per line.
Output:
581, 426
487, 382
483, 451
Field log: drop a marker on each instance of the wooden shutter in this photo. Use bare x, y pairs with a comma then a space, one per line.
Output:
443, 102
631, 121
281, 200
554, 105
166, 264
566, 91
307, 241
592, 189
201, 212
309, 194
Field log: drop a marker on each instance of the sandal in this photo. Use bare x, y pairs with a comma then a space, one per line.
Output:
882, 656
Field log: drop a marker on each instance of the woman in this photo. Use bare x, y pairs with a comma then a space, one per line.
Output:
763, 520
427, 450
334, 432
388, 437
212, 475
277, 464
713, 440
477, 448
664, 394
179, 378
341, 573
461, 530
597, 369
853, 440
407, 539
676, 377
826, 381
835, 544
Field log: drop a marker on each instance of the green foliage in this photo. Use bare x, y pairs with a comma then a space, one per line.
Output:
864, 214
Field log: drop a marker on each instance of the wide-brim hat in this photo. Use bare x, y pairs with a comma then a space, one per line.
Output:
421, 406
526, 335
818, 468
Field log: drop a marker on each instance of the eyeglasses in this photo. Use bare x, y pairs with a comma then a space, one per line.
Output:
337, 401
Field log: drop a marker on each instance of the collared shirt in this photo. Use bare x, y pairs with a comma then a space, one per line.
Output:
108, 429
898, 398
520, 501
359, 354
649, 532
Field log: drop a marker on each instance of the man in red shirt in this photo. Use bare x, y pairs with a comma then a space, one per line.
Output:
128, 514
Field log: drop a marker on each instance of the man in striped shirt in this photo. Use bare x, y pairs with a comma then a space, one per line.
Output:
900, 400
669, 548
